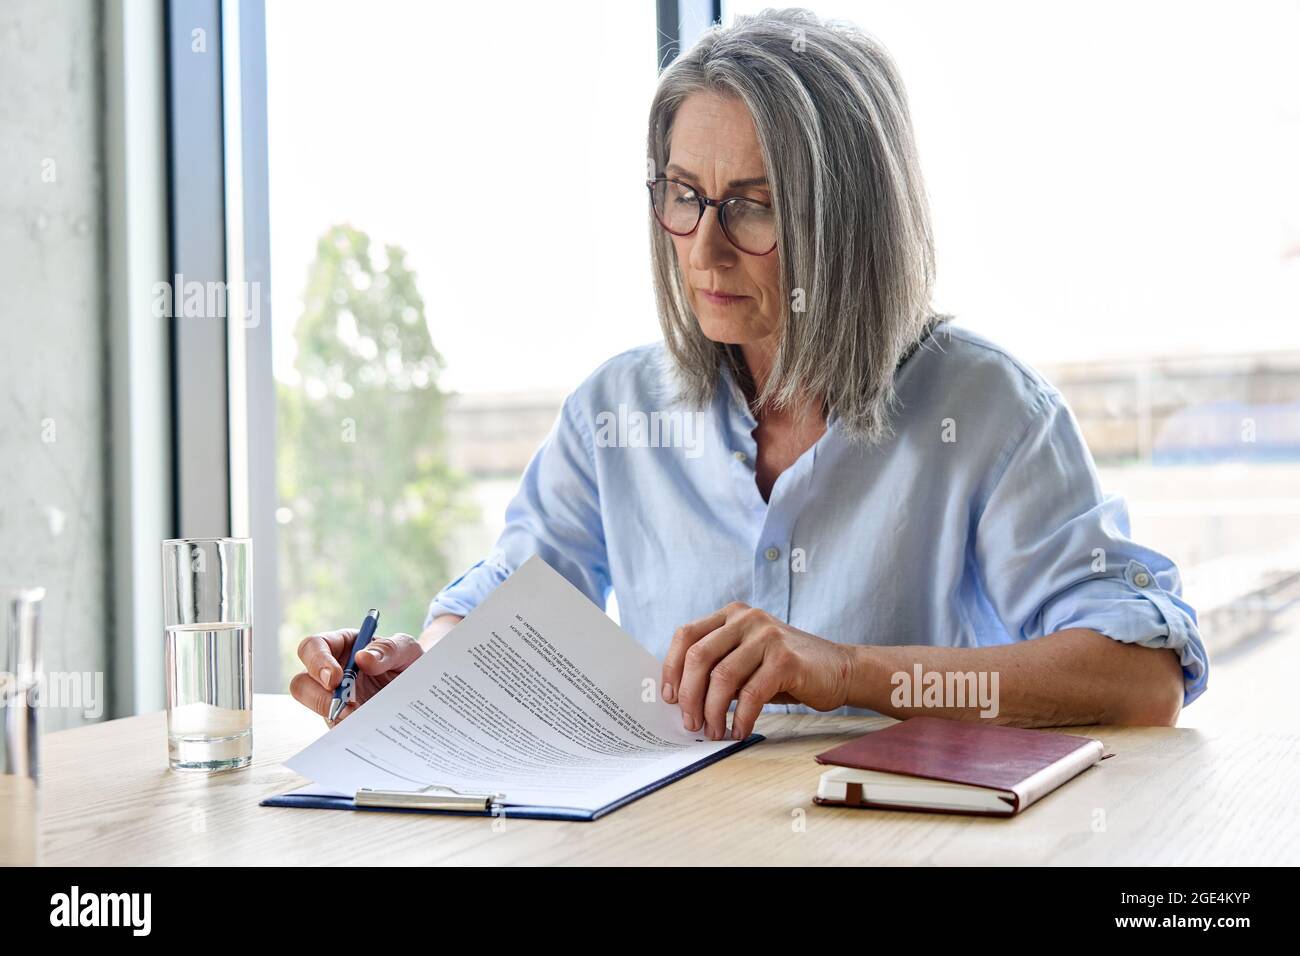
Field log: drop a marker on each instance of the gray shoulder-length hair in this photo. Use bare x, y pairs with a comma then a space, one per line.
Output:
853, 222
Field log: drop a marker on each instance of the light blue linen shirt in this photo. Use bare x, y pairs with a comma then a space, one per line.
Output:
981, 522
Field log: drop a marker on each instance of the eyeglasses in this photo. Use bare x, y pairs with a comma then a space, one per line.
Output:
749, 226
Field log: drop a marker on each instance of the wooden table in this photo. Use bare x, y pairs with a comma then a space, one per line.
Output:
1169, 796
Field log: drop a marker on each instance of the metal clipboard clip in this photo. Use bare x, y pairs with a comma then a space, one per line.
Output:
432, 797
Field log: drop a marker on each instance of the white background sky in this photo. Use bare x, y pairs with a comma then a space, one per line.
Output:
1106, 178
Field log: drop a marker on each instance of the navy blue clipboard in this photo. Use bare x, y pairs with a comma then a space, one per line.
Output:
327, 802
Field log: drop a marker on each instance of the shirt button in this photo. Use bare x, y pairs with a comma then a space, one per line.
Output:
772, 554
740, 456
1141, 579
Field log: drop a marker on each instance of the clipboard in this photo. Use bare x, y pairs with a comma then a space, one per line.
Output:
438, 799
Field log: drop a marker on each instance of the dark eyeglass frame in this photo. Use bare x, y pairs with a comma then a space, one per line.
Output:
704, 201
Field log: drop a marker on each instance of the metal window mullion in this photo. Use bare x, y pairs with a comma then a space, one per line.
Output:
679, 24
251, 396
199, 343
139, 341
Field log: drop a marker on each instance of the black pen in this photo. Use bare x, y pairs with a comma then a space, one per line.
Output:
343, 694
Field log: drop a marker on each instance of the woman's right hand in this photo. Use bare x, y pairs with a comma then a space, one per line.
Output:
325, 655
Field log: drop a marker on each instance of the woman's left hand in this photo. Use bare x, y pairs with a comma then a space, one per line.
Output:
744, 654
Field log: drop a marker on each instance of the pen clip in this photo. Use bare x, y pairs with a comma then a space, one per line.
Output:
431, 797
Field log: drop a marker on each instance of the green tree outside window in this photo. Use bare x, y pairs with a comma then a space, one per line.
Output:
367, 498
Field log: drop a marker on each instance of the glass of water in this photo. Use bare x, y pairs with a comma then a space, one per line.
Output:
208, 627
20, 727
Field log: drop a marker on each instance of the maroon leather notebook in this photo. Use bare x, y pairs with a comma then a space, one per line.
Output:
1024, 765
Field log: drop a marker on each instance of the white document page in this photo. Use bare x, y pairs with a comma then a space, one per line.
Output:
536, 695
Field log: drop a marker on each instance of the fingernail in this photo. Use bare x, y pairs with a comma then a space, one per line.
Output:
325, 676
378, 652
668, 692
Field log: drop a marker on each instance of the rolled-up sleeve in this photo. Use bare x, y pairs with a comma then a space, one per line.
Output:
555, 514
1055, 553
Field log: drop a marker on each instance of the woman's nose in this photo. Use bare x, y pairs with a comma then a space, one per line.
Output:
710, 245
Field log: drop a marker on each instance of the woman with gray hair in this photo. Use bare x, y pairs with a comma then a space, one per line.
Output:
816, 494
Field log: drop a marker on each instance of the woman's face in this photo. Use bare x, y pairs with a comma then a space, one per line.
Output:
715, 150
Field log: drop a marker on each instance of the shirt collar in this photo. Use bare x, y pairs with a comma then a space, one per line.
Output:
739, 405
735, 396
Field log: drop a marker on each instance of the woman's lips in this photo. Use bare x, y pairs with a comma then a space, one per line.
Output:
721, 298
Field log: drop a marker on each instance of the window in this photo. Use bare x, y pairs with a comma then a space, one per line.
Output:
459, 237
1115, 202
